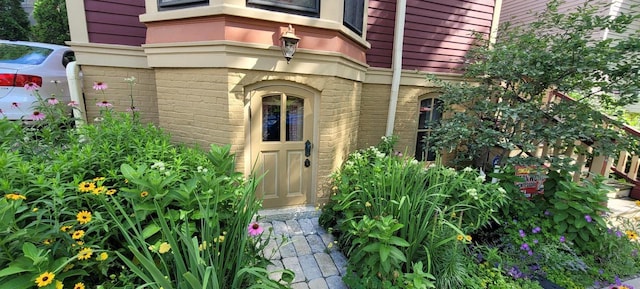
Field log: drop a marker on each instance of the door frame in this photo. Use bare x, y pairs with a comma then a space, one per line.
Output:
284, 86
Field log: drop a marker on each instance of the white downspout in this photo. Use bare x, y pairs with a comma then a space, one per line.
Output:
74, 79
396, 63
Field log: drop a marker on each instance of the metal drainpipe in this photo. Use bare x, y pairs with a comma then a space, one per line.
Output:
398, 41
74, 79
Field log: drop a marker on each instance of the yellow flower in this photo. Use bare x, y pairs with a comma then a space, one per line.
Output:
77, 234
202, 246
45, 279
152, 248
453, 215
367, 204
638, 203
97, 179
144, 194
468, 238
84, 217
103, 256
59, 285
98, 190
85, 187
85, 254
219, 239
34, 209
65, 228
126, 181
631, 235
78, 285
460, 237
111, 192
80, 243
47, 242
15, 197
164, 248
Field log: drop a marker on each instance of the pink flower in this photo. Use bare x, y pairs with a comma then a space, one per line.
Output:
36, 115
31, 86
52, 101
72, 103
99, 85
104, 103
255, 229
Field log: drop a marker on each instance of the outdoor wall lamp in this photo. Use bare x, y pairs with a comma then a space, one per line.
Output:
289, 43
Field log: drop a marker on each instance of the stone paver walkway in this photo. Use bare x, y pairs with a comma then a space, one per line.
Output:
299, 244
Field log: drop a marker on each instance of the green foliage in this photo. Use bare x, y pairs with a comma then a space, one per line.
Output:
52, 24
14, 21
504, 102
104, 204
413, 214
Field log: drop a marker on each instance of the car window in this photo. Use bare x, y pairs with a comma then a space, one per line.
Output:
23, 54
68, 57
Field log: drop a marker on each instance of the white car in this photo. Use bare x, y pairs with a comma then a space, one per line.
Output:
23, 63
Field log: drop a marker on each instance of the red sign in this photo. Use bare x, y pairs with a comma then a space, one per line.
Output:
533, 183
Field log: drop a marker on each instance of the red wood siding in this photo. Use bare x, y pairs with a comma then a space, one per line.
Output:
436, 37
115, 21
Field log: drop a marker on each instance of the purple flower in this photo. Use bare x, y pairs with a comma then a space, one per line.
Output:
36, 115
524, 246
535, 241
522, 234
562, 239
600, 271
52, 101
515, 272
536, 230
619, 234
588, 218
530, 253
254, 229
634, 253
104, 103
547, 213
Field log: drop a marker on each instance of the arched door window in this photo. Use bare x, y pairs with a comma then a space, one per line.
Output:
430, 114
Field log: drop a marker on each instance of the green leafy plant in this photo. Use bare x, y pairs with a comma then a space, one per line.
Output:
505, 98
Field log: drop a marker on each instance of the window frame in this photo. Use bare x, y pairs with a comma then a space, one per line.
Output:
435, 104
294, 8
174, 4
359, 7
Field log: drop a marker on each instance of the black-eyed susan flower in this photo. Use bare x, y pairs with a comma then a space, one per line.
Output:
460, 237
86, 187
102, 256
47, 241
468, 238
78, 285
78, 234
59, 285
97, 179
164, 248
110, 192
45, 279
65, 228
15, 197
144, 194
85, 254
98, 190
631, 235
83, 217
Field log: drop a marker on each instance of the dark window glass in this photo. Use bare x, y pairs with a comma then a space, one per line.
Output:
301, 7
430, 115
353, 15
295, 117
271, 118
172, 4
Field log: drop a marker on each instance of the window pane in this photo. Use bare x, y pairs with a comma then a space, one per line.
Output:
420, 146
295, 117
353, 14
302, 7
425, 113
271, 118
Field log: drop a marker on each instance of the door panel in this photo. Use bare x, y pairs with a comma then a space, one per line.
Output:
281, 123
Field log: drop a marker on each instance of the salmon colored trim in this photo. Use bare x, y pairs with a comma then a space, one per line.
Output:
250, 31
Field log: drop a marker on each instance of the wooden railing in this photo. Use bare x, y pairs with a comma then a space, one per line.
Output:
625, 166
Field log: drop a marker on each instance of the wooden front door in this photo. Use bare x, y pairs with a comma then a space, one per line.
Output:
281, 135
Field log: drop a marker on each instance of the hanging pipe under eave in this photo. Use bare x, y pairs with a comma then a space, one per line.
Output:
396, 64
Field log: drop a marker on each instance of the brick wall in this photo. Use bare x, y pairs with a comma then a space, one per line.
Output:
375, 109
118, 92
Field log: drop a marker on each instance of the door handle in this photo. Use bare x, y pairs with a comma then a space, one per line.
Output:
307, 148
